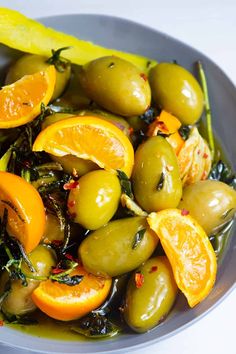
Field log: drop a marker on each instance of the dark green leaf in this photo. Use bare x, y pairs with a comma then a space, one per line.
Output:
138, 238
59, 62
96, 326
66, 279
23, 320
161, 182
125, 184
184, 131
222, 172
149, 116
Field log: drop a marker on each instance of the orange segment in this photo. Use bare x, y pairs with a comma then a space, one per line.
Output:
66, 303
26, 216
21, 102
90, 138
189, 251
166, 123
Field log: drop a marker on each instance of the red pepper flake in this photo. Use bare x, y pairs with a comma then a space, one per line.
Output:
71, 204
143, 76
184, 212
199, 152
153, 269
205, 155
131, 130
69, 256
1, 323
162, 126
204, 175
139, 279
57, 242
57, 270
70, 185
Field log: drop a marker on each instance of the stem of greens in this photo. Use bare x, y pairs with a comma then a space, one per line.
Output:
203, 81
26, 175
5, 160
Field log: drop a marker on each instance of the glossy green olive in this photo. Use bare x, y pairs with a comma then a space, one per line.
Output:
29, 64
53, 230
146, 306
156, 180
110, 251
211, 203
18, 301
69, 162
120, 122
74, 97
117, 85
95, 199
177, 91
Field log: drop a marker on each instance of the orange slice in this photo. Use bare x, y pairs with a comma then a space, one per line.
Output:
26, 216
189, 251
89, 138
21, 102
66, 303
167, 124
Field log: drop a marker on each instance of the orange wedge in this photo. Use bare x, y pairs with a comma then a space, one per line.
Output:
89, 138
66, 303
21, 102
26, 216
167, 124
189, 251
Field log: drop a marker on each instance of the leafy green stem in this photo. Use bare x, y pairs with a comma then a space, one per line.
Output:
203, 81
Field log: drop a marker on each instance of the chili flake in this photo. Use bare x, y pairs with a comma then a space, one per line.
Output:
139, 279
131, 130
57, 270
162, 126
70, 185
205, 156
184, 212
143, 76
153, 269
71, 204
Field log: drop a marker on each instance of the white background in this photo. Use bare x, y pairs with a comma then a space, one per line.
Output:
210, 26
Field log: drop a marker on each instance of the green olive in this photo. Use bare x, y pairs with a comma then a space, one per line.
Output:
114, 250
147, 304
54, 118
18, 301
156, 180
177, 91
211, 203
29, 64
95, 199
74, 97
120, 122
69, 162
117, 85
53, 230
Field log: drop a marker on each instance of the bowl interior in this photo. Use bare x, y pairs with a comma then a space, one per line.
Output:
129, 36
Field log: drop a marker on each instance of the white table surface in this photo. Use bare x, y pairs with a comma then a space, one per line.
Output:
210, 26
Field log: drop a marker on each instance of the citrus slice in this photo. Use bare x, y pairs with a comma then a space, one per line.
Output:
26, 216
189, 251
90, 138
66, 303
21, 102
